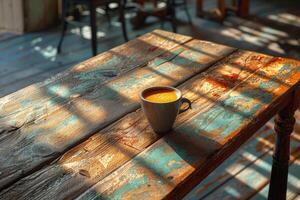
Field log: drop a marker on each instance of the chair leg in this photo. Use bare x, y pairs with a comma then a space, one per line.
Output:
187, 11
243, 10
173, 15
63, 33
222, 8
122, 5
199, 8
93, 28
107, 13
64, 26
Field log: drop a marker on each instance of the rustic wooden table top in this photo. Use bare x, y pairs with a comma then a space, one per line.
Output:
82, 133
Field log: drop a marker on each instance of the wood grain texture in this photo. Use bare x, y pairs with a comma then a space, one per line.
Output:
248, 170
107, 150
173, 165
284, 126
27, 147
38, 98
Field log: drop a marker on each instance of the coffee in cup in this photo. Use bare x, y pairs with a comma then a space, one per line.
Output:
161, 105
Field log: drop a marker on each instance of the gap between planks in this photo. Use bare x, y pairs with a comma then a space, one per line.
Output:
115, 119
198, 86
105, 188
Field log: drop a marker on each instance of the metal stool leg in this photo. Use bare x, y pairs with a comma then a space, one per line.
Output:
107, 14
187, 11
222, 8
122, 5
173, 15
199, 8
64, 25
93, 28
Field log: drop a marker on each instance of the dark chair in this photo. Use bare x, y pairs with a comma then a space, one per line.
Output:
92, 5
183, 3
239, 7
166, 13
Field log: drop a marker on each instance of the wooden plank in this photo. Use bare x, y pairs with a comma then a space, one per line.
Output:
17, 52
107, 150
18, 63
259, 145
38, 62
20, 40
42, 56
84, 114
42, 50
245, 172
176, 163
54, 69
83, 77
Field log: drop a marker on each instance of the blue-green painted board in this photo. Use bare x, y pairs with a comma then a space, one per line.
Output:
193, 142
119, 95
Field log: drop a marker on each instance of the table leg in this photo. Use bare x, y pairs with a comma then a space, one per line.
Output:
284, 125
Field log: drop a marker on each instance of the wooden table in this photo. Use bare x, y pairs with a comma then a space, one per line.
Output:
82, 133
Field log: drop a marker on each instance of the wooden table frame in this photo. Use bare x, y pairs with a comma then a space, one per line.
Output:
284, 125
58, 137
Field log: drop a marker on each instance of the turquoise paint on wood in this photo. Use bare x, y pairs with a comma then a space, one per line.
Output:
219, 176
134, 184
285, 71
160, 161
219, 119
52, 132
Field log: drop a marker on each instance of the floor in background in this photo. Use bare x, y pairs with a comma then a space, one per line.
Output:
273, 28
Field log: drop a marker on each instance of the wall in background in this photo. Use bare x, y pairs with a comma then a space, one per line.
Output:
21, 16
11, 15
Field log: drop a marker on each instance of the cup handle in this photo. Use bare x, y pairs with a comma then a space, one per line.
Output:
185, 100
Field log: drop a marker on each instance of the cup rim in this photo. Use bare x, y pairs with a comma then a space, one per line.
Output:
179, 94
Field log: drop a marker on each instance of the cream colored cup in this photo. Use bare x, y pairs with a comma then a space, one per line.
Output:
161, 116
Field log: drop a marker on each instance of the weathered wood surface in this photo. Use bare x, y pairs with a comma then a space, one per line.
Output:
284, 127
26, 148
174, 164
248, 170
107, 150
224, 93
17, 108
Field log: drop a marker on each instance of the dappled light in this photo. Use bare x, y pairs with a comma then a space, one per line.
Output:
85, 32
83, 134
286, 18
